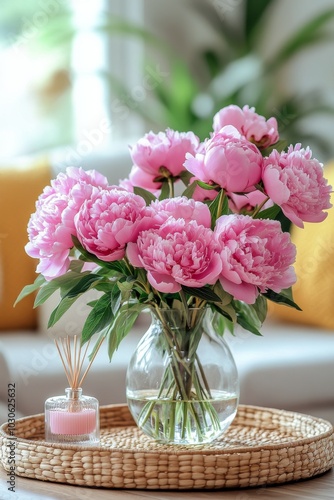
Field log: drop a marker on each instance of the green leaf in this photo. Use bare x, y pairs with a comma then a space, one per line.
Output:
185, 177
125, 288
189, 191
247, 325
92, 303
206, 186
204, 293
221, 323
247, 316
255, 9
268, 213
227, 311
284, 297
212, 61
183, 87
285, 222
97, 344
83, 285
118, 266
260, 307
308, 34
218, 207
176, 94
278, 146
141, 275
63, 283
225, 298
225, 210
123, 323
28, 289
116, 299
105, 286
76, 265
48, 289
164, 194
60, 310
114, 25
146, 195
99, 317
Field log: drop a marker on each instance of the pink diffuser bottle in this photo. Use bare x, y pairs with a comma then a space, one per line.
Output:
73, 418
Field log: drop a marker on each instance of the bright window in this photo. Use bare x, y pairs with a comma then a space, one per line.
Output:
56, 59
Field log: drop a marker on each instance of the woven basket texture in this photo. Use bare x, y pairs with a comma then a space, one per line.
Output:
262, 446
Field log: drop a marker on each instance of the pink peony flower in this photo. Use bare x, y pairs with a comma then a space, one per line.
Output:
159, 155
230, 161
180, 208
255, 128
256, 256
178, 253
295, 181
51, 227
107, 221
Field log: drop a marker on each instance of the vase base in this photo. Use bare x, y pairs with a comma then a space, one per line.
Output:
183, 422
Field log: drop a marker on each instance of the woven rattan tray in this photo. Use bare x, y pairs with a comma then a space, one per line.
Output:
262, 446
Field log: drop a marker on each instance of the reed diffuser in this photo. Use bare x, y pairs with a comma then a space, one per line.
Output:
73, 418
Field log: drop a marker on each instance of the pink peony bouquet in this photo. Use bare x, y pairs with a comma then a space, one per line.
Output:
194, 225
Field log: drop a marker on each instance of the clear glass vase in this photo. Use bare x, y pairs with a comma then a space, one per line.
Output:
72, 419
182, 381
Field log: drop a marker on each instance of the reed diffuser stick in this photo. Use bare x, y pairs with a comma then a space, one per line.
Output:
72, 357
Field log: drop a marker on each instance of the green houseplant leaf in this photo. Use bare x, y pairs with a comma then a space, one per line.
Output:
309, 34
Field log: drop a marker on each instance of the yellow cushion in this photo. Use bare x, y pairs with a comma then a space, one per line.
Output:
20, 187
314, 290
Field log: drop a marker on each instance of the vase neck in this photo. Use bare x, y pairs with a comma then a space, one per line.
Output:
179, 319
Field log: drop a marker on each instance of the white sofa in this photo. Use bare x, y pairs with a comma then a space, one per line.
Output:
290, 367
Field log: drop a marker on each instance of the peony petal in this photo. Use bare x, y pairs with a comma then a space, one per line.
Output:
274, 187
211, 273
244, 291
195, 165
163, 282
132, 255
291, 214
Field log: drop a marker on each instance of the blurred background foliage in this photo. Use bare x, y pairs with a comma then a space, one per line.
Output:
235, 70
239, 73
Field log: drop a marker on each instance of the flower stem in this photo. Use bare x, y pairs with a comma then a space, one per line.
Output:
259, 207
183, 404
171, 187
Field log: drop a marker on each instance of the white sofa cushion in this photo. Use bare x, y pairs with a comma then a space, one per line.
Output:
32, 362
288, 367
